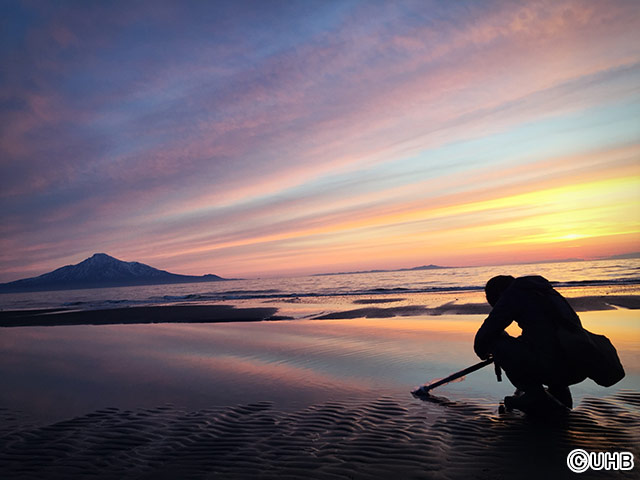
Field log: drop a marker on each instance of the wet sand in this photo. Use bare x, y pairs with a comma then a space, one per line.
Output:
356, 418
384, 438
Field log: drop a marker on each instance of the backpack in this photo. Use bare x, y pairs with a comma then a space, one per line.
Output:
593, 354
590, 353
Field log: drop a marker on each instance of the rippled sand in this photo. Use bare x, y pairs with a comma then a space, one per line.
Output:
384, 437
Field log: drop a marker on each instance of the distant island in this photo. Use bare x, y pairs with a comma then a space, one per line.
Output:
423, 267
99, 271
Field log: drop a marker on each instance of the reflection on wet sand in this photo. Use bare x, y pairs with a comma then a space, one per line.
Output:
273, 399
193, 365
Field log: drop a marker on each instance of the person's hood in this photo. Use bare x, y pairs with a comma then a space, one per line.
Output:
534, 281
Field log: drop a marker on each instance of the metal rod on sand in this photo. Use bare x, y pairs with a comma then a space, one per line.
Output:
424, 390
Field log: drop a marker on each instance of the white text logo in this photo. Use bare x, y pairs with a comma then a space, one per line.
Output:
580, 460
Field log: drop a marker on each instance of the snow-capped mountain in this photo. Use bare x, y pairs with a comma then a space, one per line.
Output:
102, 270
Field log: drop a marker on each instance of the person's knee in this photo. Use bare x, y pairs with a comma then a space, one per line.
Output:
506, 350
517, 361
566, 377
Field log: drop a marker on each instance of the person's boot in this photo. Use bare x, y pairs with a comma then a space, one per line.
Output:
510, 399
536, 401
562, 394
524, 401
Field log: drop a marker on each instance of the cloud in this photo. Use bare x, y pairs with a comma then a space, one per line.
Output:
158, 130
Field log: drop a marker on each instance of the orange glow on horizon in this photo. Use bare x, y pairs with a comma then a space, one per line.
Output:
595, 210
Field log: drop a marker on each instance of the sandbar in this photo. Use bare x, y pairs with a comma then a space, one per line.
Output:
136, 315
230, 313
580, 304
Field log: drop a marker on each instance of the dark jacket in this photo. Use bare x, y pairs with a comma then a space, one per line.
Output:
537, 308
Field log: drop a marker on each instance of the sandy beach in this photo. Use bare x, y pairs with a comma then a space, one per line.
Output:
153, 392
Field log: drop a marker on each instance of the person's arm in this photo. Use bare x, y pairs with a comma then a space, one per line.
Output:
501, 316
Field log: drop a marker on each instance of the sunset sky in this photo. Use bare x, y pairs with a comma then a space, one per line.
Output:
291, 137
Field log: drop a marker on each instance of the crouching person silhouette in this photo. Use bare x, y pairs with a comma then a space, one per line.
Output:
553, 349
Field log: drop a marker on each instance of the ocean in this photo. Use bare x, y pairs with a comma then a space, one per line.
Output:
305, 397
338, 289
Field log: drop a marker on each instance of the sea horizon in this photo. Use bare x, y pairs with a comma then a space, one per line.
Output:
603, 273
